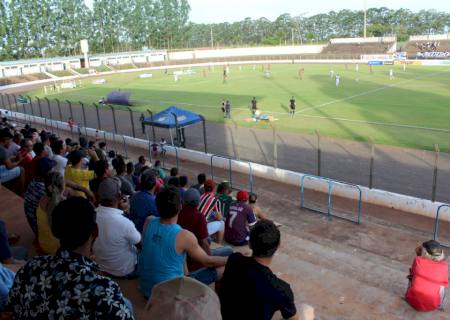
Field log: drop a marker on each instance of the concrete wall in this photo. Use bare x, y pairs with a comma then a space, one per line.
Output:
363, 40
431, 37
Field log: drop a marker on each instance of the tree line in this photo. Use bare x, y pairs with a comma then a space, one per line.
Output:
46, 28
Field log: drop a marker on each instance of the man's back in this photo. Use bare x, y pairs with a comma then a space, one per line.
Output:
250, 290
240, 218
142, 205
65, 286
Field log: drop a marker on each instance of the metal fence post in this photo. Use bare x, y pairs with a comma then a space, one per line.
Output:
371, 168
435, 172
59, 110
9, 101
70, 109
98, 117
84, 118
40, 107
132, 122
275, 147
115, 123
15, 102
50, 113
31, 105
3, 101
318, 154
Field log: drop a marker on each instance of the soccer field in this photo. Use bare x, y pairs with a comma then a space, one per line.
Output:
411, 110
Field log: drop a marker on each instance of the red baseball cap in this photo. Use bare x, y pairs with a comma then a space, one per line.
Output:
242, 195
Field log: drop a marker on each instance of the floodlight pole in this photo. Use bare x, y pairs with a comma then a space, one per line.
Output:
365, 18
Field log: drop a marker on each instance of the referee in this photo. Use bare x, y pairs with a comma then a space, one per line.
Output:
292, 107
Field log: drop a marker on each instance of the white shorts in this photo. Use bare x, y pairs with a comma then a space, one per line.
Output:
215, 226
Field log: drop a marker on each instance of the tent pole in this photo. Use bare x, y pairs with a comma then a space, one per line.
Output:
177, 129
171, 138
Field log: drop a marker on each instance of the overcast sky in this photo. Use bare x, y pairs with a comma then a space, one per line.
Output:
209, 11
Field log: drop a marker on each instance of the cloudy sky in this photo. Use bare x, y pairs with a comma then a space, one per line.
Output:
208, 11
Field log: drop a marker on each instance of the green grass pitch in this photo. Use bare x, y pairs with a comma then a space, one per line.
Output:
412, 110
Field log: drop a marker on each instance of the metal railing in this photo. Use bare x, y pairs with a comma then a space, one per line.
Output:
436, 225
230, 175
330, 184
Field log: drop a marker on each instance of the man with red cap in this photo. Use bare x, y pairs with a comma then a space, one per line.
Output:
239, 221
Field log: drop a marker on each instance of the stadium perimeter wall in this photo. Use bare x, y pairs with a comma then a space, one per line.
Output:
384, 198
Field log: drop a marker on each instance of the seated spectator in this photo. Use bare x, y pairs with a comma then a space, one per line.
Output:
10, 255
174, 182
71, 277
14, 146
120, 167
249, 289
35, 191
143, 203
102, 170
158, 166
192, 220
165, 245
54, 194
201, 178
115, 249
209, 207
138, 166
183, 180
75, 174
183, 299
239, 221
6, 282
9, 166
428, 278
59, 150
256, 210
130, 174
101, 151
224, 197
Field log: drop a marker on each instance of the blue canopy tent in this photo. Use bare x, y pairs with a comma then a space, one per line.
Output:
175, 118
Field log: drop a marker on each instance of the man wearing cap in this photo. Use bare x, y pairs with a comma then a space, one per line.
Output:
239, 221
191, 219
209, 206
143, 203
115, 248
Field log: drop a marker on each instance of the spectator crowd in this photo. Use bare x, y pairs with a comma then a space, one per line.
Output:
97, 218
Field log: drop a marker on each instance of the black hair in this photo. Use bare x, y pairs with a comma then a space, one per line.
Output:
102, 144
100, 168
38, 148
174, 181
173, 172
148, 180
201, 178
141, 159
91, 144
264, 239
57, 146
119, 164
432, 247
252, 197
168, 202
223, 187
130, 167
75, 157
44, 137
68, 141
157, 163
83, 142
73, 222
183, 181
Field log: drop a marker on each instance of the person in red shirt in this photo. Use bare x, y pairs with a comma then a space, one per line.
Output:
428, 278
26, 147
193, 220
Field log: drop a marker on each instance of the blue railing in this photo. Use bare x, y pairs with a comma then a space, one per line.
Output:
230, 175
436, 224
330, 184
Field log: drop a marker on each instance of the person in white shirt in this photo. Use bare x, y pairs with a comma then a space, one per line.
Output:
391, 74
338, 79
115, 248
59, 149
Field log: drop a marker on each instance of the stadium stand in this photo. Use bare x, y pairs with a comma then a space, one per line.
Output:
21, 79
357, 49
428, 49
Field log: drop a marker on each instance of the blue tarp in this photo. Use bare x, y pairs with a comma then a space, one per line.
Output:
165, 118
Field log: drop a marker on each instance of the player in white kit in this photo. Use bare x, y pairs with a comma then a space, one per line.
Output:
331, 74
338, 79
391, 74
357, 67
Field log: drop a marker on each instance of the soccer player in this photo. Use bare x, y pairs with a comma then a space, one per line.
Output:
292, 106
228, 109
300, 73
223, 107
331, 74
254, 107
391, 74
338, 79
225, 76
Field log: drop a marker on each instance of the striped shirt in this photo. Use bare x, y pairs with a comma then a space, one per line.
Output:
209, 206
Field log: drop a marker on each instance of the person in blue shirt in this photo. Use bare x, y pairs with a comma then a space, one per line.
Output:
142, 203
6, 282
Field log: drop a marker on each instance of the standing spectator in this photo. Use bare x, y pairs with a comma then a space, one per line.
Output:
73, 289
162, 145
14, 146
138, 166
115, 249
228, 109
239, 221
249, 289
59, 150
54, 194
75, 174
158, 167
143, 202
119, 165
130, 177
183, 187
35, 192
224, 198
101, 151
39, 153
201, 178
45, 139
428, 278
25, 151
254, 106
102, 170
172, 174
256, 210
209, 207
165, 245
142, 121
192, 220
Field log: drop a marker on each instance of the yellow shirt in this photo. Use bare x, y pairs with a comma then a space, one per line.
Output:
80, 177
47, 241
